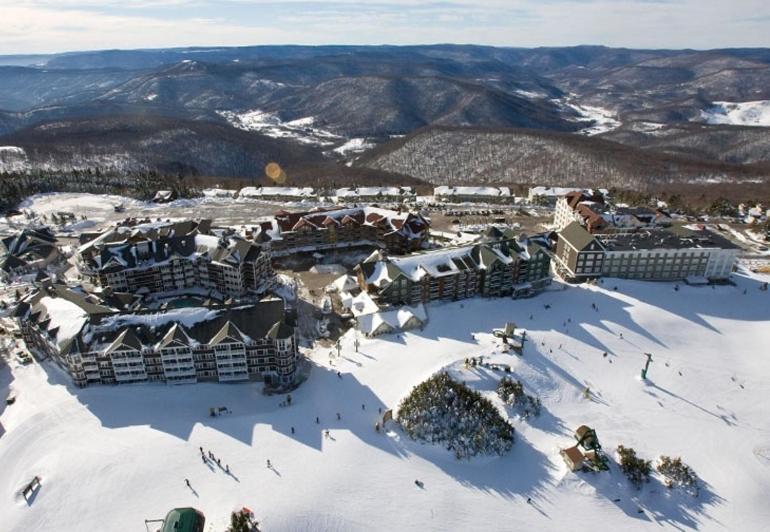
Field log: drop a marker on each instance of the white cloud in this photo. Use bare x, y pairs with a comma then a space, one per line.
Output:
56, 25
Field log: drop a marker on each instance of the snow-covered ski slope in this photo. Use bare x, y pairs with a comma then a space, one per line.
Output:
109, 457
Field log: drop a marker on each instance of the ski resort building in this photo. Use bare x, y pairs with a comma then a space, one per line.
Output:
325, 229
500, 266
167, 256
278, 193
374, 194
473, 194
97, 344
646, 254
28, 251
590, 210
548, 195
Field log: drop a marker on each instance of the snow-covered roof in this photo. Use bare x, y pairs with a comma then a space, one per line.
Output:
495, 192
552, 191
289, 192
391, 320
65, 316
360, 305
373, 191
344, 283
219, 193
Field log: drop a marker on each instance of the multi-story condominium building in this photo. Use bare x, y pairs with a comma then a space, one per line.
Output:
578, 254
373, 194
279, 193
473, 194
548, 195
160, 257
502, 267
590, 210
28, 251
96, 344
321, 229
646, 254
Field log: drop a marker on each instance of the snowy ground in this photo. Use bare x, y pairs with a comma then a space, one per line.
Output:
99, 209
739, 114
110, 457
302, 129
602, 120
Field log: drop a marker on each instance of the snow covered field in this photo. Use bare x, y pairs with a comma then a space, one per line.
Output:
270, 124
110, 457
99, 209
739, 114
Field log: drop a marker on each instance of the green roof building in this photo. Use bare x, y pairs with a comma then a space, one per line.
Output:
184, 520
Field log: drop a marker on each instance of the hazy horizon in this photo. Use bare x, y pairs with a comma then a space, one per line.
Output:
48, 26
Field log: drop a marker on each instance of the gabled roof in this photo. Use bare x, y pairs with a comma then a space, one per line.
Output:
577, 236
125, 339
176, 335
228, 333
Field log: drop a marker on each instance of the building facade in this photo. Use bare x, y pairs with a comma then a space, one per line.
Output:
654, 255
326, 229
96, 344
590, 210
153, 257
502, 267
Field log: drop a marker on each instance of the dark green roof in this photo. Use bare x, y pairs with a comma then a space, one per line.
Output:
577, 236
184, 520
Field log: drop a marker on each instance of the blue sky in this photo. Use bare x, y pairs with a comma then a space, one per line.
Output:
41, 26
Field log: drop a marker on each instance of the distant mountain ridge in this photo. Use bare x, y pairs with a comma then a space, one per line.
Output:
654, 101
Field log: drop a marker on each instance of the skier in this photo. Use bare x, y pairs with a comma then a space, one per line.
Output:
326, 433
339, 374
529, 500
227, 469
363, 407
339, 417
187, 481
269, 465
292, 430
316, 420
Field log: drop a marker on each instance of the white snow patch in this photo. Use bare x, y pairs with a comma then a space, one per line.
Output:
271, 125
755, 113
356, 145
603, 119
65, 315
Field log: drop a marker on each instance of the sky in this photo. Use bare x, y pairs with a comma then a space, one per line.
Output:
45, 26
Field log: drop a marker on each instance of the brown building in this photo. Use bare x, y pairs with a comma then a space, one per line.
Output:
322, 229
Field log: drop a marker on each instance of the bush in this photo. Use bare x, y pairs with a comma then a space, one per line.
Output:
636, 469
443, 411
512, 393
676, 472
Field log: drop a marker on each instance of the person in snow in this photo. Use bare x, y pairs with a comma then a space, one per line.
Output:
316, 420
363, 407
339, 417
227, 469
292, 430
269, 465
187, 481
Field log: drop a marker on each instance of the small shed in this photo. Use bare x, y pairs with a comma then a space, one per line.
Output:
586, 438
573, 457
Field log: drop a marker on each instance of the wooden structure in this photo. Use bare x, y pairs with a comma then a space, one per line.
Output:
586, 438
